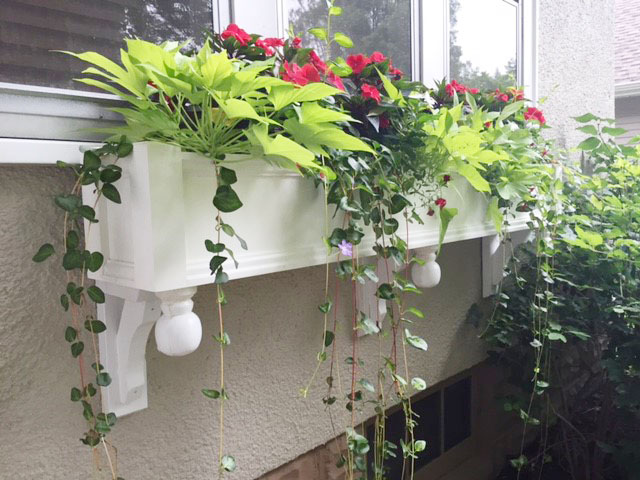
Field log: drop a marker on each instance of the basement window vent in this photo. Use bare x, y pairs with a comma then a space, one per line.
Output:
444, 421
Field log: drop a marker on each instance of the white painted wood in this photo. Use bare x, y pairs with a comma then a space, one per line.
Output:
41, 152
129, 315
435, 41
154, 240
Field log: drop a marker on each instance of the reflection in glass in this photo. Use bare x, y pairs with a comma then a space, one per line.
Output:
483, 48
29, 29
373, 25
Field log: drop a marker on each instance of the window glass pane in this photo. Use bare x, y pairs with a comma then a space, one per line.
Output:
373, 25
29, 29
483, 48
457, 413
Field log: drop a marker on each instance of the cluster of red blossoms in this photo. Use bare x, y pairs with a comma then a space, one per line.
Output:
533, 113
511, 93
455, 87
358, 63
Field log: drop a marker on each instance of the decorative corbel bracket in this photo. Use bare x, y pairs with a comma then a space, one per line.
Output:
496, 251
129, 315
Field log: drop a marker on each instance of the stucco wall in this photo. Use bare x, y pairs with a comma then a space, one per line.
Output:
272, 320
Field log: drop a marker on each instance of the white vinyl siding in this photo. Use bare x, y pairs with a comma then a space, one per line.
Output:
628, 116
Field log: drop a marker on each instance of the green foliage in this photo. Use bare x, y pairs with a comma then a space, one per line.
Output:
99, 168
569, 313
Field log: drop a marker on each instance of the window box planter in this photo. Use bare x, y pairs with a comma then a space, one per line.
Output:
153, 244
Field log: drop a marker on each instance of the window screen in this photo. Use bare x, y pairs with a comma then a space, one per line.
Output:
373, 25
30, 29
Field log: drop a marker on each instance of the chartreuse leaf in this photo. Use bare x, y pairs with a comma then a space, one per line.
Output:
494, 213
311, 112
236, 108
472, 175
216, 68
319, 33
315, 91
393, 93
446, 215
342, 40
511, 109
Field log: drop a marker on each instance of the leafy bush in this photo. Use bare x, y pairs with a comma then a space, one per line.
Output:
570, 311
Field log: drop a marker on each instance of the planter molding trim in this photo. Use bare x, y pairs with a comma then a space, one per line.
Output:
153, 244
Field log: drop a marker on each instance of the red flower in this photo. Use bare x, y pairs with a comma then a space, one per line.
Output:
377, 57
533, 113
441, 202
317, 62
395, 71
384, 121
242, 37
268, 51
300, 76
369, 91
296, 42
431, 212
274, 42
335, 80
357, 63
501, 97
454, 87
515, 93
446, 178
488, 125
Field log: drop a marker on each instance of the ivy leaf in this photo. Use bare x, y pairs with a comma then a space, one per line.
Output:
96, 294
213, 247
90, 160
226, 199
367, 385
76, 349
76, 394
228, 463
124, 149
72, 259
328, 338
87, 212
111, 192
494, 213
67, 202
70, 334
95, 326
414, 341
418, 384
44, 252
95, 261
103, 379
221, 277
554, 336
211, 393
215, 263
385, 291
227, 176
64, 301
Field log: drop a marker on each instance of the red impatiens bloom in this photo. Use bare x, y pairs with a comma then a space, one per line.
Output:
335, 80
369, 91
431, 212
454, 87
268, 51
274, 42
317, 61
242, 37
358, 62
377, 57
296, 42
533, 113
441, 202
488, 125
500, 96
515, 93
300, 76
384, 121
446, 178
395, 71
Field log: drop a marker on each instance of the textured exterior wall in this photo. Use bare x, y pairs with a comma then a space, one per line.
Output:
273, 320
575, 63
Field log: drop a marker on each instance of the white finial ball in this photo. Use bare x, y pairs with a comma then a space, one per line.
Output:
427, 275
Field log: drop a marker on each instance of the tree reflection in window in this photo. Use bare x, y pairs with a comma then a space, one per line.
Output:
373, 25
483, 43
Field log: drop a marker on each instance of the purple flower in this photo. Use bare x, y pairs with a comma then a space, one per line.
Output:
346, 248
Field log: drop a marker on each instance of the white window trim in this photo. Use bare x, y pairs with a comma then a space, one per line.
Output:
41, 125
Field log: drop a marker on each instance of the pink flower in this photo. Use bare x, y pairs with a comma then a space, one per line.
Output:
357, 63
454, 87
446, 178
450, 89
242, 37
488, 125
474, 91
369, 91
501, 97
533, 113
268, 51
377, 57
431, 212
317, 62
335, 80
441, 202
274, 42
300, 76
296, 42
395, 71
515, 93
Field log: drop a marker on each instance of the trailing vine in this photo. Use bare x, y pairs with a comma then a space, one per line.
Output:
99, 169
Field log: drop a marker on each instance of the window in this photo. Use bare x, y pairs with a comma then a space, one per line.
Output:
30, 29
483, 43
373, 25
428, 39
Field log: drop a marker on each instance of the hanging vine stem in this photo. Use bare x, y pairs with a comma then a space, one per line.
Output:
77, 261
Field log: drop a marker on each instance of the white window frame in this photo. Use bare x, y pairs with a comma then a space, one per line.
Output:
42, 125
